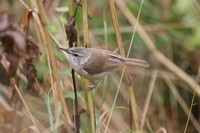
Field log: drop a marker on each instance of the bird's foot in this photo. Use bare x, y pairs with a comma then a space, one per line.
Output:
92, 86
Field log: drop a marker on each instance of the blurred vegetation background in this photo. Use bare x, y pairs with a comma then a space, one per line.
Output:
167, 35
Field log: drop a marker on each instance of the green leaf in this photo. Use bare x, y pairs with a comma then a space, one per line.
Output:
59, 56
42, 70
63, 20
58, 116
71, 95
100, 119
51, 119
66, 72
53, 29
62, 9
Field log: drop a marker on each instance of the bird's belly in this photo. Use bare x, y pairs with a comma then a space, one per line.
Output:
97, 76
86, 75
79, 69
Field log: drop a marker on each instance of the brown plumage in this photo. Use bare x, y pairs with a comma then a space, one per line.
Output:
92, 63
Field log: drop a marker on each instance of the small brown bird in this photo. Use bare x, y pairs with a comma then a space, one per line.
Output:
94, 64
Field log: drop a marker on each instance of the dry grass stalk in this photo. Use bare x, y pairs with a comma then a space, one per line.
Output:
180, 100
151, 46
48, 42
89, 94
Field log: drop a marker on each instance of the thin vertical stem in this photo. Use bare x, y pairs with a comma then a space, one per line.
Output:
85, 24
32, 119
130, 88
89, 94
192, 102
48, 42
148, 98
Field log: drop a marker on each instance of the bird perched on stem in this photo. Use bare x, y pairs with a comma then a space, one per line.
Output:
94, 64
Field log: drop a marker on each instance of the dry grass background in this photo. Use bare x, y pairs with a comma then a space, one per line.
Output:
163, 98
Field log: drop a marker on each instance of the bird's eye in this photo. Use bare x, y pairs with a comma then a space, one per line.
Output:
75, 55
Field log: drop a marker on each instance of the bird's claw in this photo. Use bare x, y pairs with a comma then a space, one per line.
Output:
90, 87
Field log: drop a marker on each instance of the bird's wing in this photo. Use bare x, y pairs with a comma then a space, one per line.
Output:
102, 63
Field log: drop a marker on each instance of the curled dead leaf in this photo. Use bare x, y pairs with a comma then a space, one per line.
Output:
18, 47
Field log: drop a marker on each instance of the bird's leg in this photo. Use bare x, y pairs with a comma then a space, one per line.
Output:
93, 86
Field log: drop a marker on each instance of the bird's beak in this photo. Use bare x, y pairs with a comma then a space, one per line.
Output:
64, 49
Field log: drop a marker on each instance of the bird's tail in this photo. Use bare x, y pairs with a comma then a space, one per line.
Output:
137, 63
